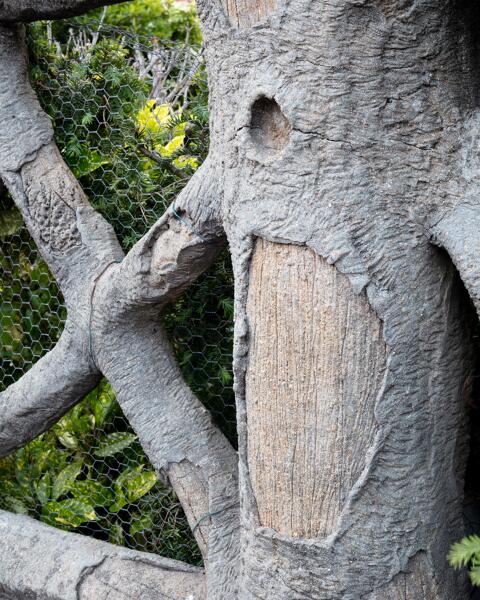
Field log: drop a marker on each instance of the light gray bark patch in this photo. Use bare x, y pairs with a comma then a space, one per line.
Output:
41, 562
24, 127
415, 582
245, 13
134, 579
316, 367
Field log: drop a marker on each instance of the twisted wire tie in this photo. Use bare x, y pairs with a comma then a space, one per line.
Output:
213, 514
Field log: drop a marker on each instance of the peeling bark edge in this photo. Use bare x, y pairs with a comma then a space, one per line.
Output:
38, 561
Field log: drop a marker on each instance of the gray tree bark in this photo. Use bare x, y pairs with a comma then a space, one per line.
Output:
343, 171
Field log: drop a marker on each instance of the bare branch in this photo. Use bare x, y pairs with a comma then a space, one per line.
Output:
177, 249
74, 240
12, 11
128, 345
38, 561
174, 428
38, 399
458, 231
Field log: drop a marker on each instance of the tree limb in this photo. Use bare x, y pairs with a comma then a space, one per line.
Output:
458, 232
122, 303
12, 11
74, 240
38, 561
38, 399
174, 428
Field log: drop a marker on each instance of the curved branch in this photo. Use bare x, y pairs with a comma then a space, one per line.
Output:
38, 561
44, 394
12, 11
181, 245
73, 239
78, 245
458, 232
175, 429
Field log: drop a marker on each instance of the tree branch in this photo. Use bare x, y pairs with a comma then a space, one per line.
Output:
174, 428
12, 11
121, 303
458, 232
38, 561
38, 399
74, 240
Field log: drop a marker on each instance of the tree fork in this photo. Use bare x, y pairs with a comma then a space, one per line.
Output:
340, 148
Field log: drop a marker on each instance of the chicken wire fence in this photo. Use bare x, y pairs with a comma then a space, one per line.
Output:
130, 119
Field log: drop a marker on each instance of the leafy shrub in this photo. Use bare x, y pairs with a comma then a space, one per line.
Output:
466, 553
89, 473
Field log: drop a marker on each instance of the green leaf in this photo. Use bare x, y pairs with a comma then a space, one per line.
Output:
65, 479
92, 492
22, 468
43, 488
464, 551
137, 482
102, 403
113, 443
143, 524
475, 576
224, 376
120, 500
16, 505
67, 439
70, 512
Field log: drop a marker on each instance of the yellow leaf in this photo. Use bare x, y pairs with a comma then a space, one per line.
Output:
172, 146
186, 161
153, 117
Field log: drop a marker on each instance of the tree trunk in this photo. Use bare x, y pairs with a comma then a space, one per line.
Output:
340, 128
343, 153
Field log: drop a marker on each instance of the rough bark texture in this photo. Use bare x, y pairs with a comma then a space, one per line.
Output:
40, 562
117, 301
374, 97
316, 366
347, 133
56, 382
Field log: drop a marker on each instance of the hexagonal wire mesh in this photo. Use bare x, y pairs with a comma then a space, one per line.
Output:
130, 118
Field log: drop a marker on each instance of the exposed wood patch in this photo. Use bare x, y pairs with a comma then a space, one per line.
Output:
245, 13
316, 363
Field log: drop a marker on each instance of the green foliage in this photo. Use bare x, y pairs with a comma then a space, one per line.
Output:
164, 19
61, 481
466, 553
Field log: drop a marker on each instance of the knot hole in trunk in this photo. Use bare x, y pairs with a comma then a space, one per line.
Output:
270, 128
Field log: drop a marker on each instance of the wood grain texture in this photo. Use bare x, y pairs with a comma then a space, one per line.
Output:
315, 367
245, 13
